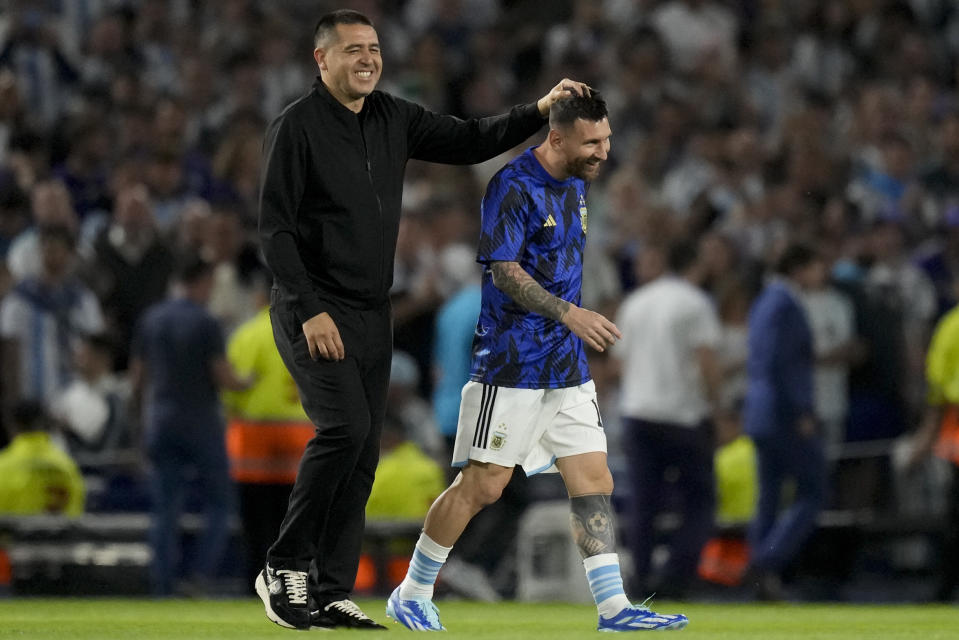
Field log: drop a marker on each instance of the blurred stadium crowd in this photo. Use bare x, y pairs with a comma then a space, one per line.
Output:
739, 125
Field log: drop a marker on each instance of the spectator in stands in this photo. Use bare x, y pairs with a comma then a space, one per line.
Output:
670, 404
779, 415
94, 407
100, 433
45, 75
267, 429
128, 265
236, 164
42, 320
234, 260
50, 205
891, 187
85, 170
941, 180
832, 321
169, 191
38, 477
178, 363
896, 284
940, 260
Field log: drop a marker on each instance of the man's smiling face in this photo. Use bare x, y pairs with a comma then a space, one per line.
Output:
351, 64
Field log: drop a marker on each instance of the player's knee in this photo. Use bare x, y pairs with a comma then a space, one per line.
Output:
485, 492
485, 486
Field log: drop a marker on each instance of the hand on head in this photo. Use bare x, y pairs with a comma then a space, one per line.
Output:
563, 89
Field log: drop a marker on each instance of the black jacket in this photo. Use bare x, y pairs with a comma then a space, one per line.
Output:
333, 184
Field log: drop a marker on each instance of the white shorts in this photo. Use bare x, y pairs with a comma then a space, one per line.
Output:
527, 427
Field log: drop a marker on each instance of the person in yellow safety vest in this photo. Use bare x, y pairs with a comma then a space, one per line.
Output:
939, 434
267, 429
37, 476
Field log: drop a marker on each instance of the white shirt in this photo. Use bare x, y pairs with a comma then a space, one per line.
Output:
830, 316
46, 367
693, 34
663, 323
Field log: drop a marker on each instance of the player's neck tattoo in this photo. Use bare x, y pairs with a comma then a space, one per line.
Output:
511, 279
591, 521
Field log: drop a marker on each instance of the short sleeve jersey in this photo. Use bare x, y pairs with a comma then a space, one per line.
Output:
178, 340
531, 218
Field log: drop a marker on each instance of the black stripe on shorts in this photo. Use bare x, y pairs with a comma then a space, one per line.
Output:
599, 418
481, 434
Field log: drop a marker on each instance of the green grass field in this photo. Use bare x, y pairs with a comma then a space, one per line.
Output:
136, 619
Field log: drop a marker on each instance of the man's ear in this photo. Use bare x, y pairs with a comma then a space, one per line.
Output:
320, 56
555, 138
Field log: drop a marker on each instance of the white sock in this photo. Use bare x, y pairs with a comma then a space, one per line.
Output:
428, 558
606, 583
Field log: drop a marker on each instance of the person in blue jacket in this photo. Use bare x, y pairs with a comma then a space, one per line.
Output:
779, 416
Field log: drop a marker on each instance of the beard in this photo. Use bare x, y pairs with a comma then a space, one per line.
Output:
583, 168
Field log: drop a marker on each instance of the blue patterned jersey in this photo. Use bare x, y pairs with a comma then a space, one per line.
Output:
533, 219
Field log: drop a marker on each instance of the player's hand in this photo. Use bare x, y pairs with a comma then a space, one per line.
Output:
564, 89
595, 330
323, 338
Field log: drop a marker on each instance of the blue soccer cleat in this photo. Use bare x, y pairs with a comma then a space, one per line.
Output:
419, 614
641, 619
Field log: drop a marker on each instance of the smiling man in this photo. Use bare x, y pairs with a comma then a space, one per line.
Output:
530, 400
329, 215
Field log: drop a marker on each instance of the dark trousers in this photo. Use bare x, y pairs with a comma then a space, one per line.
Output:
654, 448
346, 400
174, 456
262, 508
775, 538
949, 578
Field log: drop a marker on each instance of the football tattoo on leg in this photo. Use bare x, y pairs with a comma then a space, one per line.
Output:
591, 521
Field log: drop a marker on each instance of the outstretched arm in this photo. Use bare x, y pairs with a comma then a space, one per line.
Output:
592, 327
443, 138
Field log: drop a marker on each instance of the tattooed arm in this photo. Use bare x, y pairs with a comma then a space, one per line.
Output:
512, 279
593, 328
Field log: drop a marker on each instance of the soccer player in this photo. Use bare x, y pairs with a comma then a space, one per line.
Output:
530, 400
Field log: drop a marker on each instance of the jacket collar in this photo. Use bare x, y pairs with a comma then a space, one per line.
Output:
323, 92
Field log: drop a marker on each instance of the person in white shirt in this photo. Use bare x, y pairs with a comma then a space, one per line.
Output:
671, 382
832, 320
42, 320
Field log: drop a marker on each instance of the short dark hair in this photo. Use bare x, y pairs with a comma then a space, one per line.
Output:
190, 267
566, 111
794, 257
326, 25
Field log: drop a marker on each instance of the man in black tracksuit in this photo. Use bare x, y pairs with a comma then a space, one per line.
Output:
329, 214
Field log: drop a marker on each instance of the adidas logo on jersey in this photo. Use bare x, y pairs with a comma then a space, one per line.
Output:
550, 221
